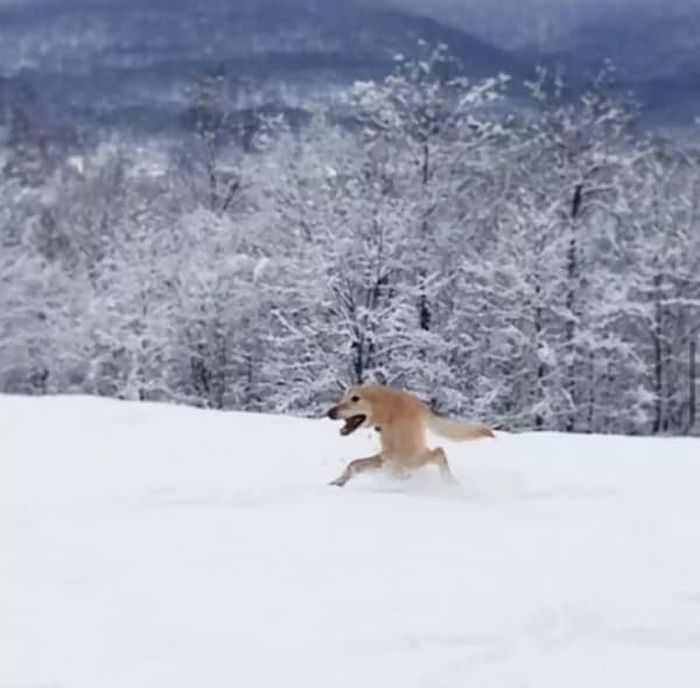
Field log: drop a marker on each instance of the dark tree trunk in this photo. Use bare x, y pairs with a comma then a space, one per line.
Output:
424, 315
571, 278
658, 358
539, 420
358, 358
591, 394
692, 382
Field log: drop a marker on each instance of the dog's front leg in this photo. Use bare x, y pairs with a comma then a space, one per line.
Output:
358, 466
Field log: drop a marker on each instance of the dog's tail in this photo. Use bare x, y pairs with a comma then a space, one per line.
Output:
454, 430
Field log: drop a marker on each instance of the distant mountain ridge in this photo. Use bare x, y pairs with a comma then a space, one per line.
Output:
656, 50
128, 63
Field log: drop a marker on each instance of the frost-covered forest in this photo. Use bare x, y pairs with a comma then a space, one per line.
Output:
510, 254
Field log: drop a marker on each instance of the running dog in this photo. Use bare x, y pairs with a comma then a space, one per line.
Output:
401, 421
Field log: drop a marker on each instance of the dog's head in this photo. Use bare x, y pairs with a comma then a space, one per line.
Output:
354, 408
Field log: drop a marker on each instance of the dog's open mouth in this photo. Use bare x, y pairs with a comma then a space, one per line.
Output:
352, 423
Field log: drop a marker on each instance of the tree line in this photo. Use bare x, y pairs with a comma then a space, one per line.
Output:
531, 259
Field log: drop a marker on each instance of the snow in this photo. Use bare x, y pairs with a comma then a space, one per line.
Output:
148, 545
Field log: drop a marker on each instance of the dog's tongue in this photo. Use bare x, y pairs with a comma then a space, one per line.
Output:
351, 424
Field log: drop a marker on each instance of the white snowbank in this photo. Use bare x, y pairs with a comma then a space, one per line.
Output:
149, 546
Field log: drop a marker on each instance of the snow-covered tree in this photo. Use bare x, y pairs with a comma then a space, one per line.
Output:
536, 268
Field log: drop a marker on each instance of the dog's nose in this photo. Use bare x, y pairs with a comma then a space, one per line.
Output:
333, 413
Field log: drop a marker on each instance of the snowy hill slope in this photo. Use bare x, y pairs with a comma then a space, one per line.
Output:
147, 545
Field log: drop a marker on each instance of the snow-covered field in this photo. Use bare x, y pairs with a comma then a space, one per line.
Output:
148, 546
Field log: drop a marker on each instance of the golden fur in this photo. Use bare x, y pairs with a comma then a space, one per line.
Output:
401, 421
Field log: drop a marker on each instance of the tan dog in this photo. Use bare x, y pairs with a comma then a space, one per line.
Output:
401, 421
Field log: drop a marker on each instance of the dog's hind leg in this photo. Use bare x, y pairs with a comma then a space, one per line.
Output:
358, 466
439, 458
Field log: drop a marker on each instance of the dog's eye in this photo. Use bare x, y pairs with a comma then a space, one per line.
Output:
355, 399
